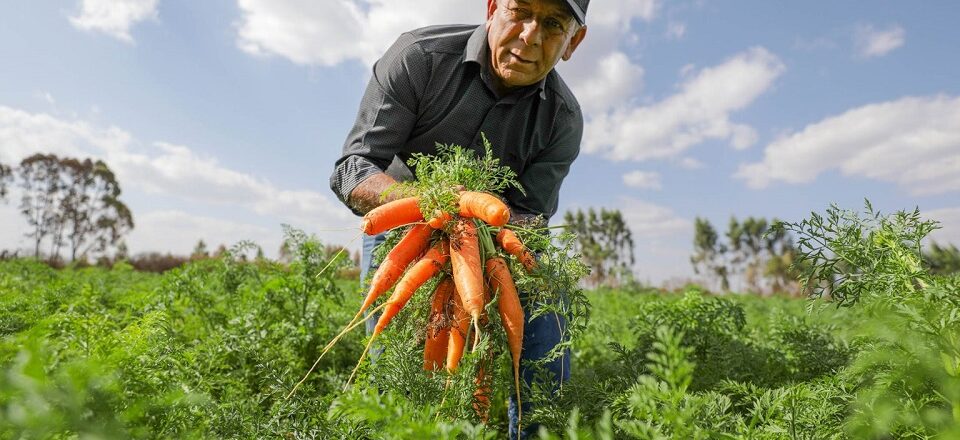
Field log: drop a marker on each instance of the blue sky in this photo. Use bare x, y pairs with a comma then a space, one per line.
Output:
223, 118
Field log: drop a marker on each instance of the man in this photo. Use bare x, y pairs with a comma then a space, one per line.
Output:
449, 84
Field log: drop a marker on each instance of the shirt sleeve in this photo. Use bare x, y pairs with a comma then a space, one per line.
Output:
387, 115
542, 177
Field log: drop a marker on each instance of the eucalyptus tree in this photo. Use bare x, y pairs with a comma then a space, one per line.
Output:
73, 202
6, 174
94, 215
605, 243
709, 253
737, 255
753, 244
39, 178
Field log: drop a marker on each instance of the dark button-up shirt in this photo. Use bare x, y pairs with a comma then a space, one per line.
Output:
435, 85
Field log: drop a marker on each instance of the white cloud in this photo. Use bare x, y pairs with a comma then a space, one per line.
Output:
649, 220
614, 78
642, 179
12, 226
913, 142
619, 14
23, 133
337, 31
600, 74
689, 163
114, 17
332, 32
177, 170
178, 232
174, 172
329, 32
698, 112
676, 30
48, 98
873, 42
661, 239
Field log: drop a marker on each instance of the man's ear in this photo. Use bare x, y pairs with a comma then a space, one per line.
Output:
491, 8
574, 42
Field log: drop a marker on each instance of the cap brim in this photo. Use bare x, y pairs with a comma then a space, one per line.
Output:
578, 13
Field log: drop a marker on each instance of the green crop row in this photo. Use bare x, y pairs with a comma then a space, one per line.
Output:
212, 349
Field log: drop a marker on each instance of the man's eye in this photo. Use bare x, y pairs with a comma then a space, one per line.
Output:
519, 13
554, 24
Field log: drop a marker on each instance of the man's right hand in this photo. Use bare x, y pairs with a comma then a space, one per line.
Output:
373, 192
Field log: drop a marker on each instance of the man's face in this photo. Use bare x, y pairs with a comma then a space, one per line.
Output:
528, 37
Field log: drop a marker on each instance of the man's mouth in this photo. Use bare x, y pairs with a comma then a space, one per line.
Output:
520, 59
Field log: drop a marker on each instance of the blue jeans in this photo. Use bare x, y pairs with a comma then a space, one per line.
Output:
540, 335
367, 267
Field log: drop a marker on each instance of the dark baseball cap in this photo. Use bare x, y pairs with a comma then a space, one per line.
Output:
579, 9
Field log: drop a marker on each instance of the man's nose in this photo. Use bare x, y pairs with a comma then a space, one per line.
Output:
531, 34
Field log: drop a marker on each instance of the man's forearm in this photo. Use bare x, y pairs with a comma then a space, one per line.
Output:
369, 194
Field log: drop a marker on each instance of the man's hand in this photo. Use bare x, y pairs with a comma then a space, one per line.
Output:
533, 221
373, 192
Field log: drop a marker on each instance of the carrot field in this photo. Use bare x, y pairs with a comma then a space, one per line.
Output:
211, 350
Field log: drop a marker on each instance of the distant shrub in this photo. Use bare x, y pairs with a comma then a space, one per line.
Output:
157, 262
349, 273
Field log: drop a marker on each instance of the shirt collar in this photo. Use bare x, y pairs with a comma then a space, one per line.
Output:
477, 51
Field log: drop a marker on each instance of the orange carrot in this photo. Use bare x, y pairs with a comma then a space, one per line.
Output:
511, 313
438, 329
439, 220
509, 242
481, 396
435, 348
409, 247
467, 269
406, 250
421, 271
459, 327
484, 320
390, 215
485, 207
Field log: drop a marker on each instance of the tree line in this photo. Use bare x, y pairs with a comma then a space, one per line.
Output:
74, 205
762, 257
751, 252
751, 255
605, 243
70, 205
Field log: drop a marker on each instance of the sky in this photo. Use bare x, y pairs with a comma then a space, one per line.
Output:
222, 118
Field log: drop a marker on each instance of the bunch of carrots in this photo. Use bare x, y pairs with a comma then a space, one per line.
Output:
461, 249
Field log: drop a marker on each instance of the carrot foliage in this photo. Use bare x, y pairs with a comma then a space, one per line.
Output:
454, 168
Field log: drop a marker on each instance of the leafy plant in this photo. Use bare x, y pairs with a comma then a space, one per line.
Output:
906, 373
847, 254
